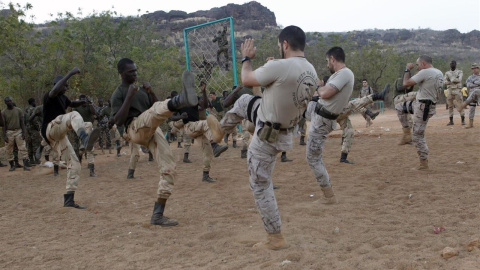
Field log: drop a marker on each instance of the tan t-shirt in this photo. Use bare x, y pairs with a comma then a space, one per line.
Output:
12, 118
289, 85
343, 81
430, 83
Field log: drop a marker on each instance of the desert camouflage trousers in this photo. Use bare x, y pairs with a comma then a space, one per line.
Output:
261, 162
200, 129
177, 129
419, 125
15, 137
472, 99
144, 130
454, 98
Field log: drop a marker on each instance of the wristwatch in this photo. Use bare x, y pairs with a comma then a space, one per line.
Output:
407, 70
246, 58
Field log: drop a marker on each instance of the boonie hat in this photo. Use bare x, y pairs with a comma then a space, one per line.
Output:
475, 65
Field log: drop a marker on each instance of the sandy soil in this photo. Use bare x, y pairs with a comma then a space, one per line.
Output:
384, 220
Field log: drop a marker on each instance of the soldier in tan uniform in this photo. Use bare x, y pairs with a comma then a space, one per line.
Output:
14, 132
453, 80
473, 86
56, 123
430, 82
289, 84
140, 111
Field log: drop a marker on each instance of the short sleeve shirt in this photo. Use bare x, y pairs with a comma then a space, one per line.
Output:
12, 118
289, 85
430, 83
217, 104
343, 81
84, 111
140, 102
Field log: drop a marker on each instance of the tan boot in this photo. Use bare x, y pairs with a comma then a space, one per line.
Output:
214, 125
275, 241
423, 164
329, 195
407, 136
470, 123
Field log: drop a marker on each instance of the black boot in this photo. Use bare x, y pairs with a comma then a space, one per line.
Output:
371, 114
185, 158
26, 165
382, 95
55, 170
343, 159
92, 170
158, 218
12, 165
218, 149
17, 165
150, 156
284, 157
130, 174
38, 153
69, 201
31, 161
87, 141
302, 140
47, 157
463, 120
451, 121
188, 96
234, 144
243, 153
179, 145
206, 178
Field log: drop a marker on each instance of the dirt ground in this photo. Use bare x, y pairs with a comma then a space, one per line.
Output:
385, 217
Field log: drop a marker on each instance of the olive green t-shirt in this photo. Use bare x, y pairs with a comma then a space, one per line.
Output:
12, 118
85, 112
217, 104
140, 102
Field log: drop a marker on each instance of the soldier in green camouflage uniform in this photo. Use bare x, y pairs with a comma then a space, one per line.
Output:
103, 119
33, 126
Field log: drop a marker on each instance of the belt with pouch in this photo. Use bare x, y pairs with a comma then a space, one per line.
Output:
320, 110
261, 124
427, 103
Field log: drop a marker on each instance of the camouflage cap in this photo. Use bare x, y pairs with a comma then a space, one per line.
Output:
475, 65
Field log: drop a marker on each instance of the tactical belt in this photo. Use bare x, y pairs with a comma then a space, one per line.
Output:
320, 110
427, 103
270, 124
249, 110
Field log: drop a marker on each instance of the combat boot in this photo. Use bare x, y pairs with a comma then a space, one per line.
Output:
243, 153
206, 178
32, 161
329, 195
150, 156
179, 145
371, 114
234, 144
284, 157
451, 121
87, 141
130, 174
423, 164
382, 95
275, 241
158, 218
55, 170
302, 140
215, 128
185, 158
70, 202
218, 149
407, 136
17, 165
343, 159
188, 96
26, 165
463, 120
12, 165
470, 123
91, 166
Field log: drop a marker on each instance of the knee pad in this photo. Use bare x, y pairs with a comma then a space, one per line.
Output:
407, 107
